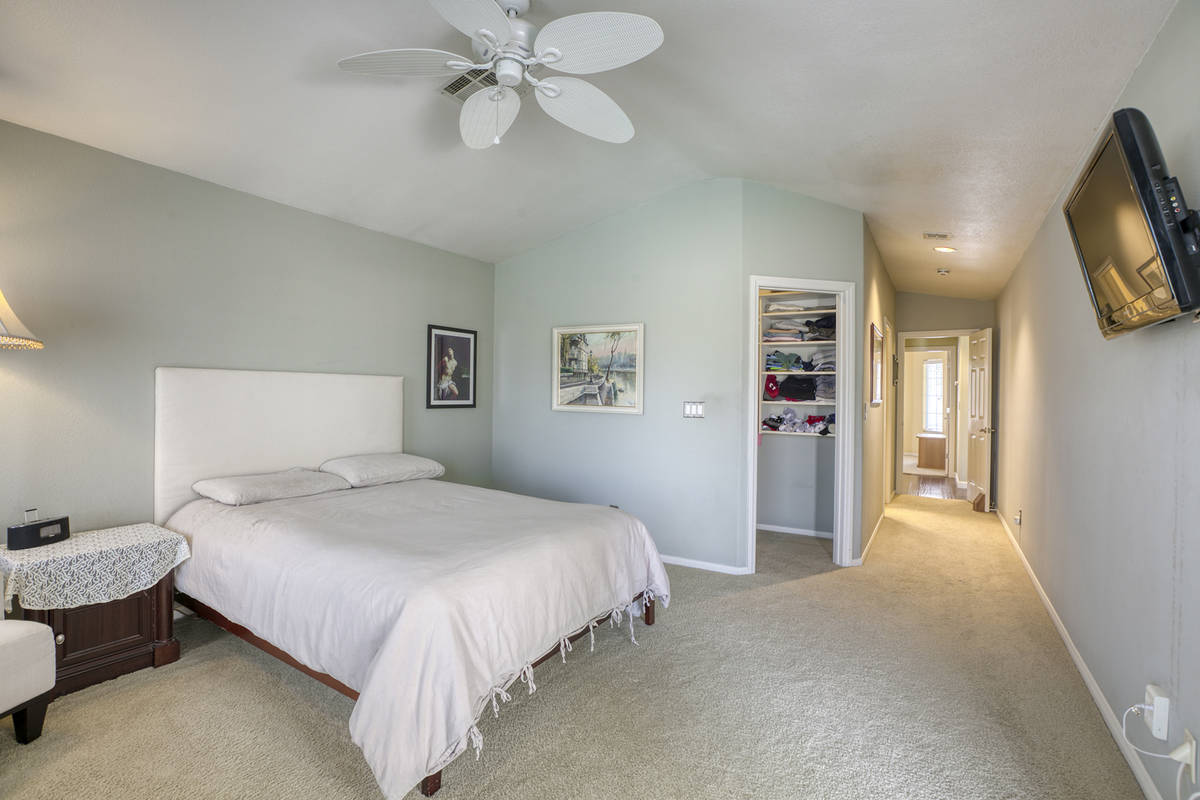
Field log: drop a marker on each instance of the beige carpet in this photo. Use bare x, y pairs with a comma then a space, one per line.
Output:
931, 672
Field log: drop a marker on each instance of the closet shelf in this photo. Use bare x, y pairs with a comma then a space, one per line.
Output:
785, 343
810, 312
799, 402
796, 372
799, 433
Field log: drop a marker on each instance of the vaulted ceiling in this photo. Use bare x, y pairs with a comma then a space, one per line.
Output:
935, 115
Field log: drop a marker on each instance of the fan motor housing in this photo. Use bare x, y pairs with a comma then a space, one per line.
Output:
509, 71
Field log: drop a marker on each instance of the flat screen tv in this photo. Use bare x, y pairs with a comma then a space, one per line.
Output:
1134, 235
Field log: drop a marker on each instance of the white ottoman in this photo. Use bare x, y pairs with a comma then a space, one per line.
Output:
27, 664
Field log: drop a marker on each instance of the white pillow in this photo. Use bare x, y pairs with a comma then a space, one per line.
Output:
372, 470
240, 490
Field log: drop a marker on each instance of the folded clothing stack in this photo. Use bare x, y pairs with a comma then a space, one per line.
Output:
821, 328
788, 421
779, 361
826, 388
823, 360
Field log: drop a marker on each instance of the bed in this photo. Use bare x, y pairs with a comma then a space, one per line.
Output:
426, 601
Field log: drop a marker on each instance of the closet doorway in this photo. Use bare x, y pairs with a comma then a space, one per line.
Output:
943, 411
803, 384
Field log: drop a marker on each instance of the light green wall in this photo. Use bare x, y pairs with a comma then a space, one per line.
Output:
675, 265
791, 235
121, 267
1098, 444
927, 312
681, 265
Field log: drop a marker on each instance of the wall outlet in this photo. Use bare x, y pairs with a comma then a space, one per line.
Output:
1159, 712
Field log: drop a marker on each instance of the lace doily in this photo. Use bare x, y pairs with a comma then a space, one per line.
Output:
90, 567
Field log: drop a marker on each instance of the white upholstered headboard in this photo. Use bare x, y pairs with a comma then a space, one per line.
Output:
216, 422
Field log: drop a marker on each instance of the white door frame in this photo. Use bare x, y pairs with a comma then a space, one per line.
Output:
848, 386
890, 383
901, 353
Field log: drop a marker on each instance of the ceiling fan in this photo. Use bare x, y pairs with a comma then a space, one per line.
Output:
512, 47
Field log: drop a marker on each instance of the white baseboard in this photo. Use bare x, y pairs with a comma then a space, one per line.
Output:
871, 541
796, 531
1110, 716
705, 565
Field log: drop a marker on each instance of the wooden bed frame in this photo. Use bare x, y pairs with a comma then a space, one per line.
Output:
430, 783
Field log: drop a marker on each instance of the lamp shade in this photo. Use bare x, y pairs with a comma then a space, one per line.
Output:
13, 334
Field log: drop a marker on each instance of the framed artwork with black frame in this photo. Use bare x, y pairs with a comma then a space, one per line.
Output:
450, 368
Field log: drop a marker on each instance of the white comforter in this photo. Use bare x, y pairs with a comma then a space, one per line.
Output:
424, 596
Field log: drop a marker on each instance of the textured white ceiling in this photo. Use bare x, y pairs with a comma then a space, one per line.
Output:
929, 115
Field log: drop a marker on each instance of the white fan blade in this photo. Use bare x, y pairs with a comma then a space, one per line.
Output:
582, 106
471, 16
598, 41
410, 62
487, 115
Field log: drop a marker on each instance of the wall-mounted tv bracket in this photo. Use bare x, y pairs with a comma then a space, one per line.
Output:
1170, 199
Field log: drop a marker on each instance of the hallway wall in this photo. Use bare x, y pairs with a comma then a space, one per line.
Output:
1097, 447
927, 312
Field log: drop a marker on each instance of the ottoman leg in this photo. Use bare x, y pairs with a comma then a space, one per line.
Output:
27, 723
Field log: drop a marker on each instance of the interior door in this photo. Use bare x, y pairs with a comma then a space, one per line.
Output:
979, 428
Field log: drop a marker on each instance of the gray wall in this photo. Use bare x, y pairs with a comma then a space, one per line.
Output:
928, 312
1098, 444
121, 267
680, 264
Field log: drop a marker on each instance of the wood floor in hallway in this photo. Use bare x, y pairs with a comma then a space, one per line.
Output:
930, 486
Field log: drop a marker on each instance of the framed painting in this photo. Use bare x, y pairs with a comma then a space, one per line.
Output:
598, 368
450, 368
876, 365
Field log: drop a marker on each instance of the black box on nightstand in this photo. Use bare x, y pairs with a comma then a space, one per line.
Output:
38, 532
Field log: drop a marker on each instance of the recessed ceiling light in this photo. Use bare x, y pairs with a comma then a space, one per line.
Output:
944, 249
943, 272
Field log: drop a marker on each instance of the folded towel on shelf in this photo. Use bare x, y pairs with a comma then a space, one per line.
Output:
800, 304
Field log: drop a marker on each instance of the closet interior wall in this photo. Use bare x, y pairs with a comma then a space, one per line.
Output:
798, 385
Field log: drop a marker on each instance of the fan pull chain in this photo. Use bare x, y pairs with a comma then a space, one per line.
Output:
496, 96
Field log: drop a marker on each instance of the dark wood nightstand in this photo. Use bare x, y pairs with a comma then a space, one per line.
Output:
99, 638
101, 641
